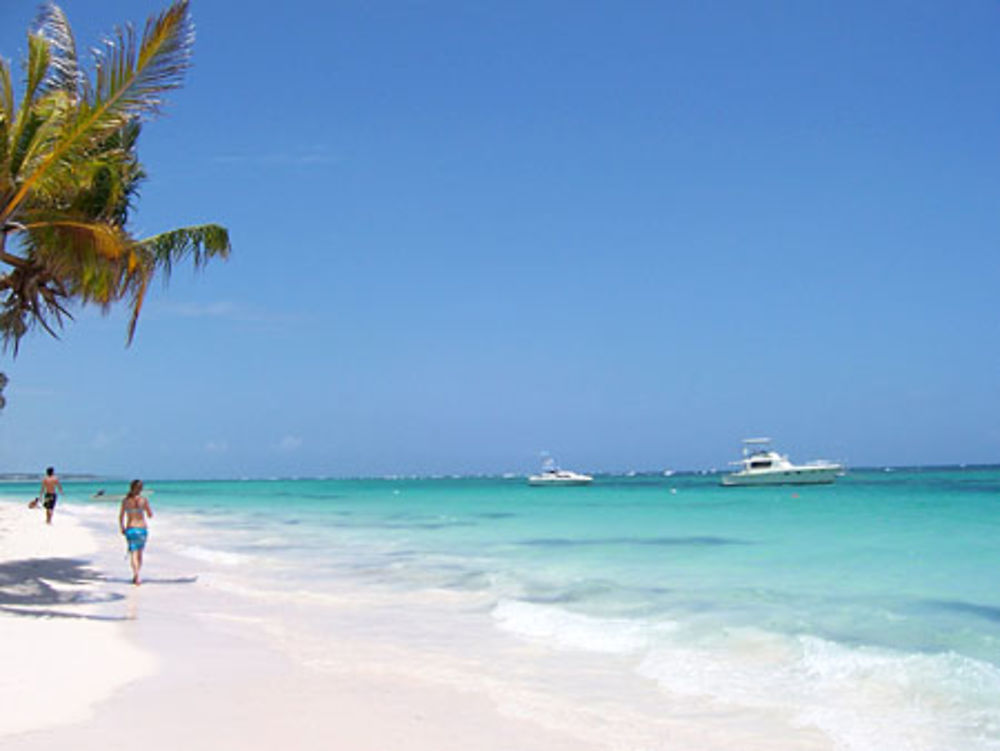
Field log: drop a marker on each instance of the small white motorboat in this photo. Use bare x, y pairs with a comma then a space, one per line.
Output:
552, 475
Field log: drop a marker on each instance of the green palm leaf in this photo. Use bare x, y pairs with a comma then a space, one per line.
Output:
162, 251
130, 83
64, 71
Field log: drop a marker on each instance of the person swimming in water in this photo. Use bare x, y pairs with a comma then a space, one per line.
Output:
132, 522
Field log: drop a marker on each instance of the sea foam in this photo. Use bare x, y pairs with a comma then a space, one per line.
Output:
565, 629
209, 555
863, 698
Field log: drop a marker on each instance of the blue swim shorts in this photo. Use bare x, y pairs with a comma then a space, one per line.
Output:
136, 537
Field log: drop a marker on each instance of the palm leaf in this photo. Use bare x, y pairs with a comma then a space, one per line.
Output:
6, 91
26, 120
135, 79
64, 72
130, 83
6, 121
7, 113
39, 57
82, 238
200, 243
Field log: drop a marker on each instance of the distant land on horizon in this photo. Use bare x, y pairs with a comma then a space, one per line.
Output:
32, 476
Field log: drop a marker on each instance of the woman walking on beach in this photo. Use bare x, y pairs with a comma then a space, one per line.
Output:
132, 522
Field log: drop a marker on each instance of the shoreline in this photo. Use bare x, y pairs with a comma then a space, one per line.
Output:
94, 662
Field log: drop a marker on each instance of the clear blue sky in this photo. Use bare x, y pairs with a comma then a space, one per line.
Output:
630, 234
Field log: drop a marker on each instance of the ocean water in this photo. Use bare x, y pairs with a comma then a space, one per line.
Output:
862, 616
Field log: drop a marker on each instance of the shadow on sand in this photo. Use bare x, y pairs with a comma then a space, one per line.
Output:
34, 586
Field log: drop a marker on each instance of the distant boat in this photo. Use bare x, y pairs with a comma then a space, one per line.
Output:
761, 465
552, 475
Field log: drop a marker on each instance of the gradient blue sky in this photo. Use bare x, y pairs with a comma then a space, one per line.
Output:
630, 234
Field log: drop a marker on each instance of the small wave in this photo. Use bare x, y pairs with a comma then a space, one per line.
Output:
570, 630
863, 698
213, 556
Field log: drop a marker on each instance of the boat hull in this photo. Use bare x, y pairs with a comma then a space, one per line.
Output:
812, 476
541, 483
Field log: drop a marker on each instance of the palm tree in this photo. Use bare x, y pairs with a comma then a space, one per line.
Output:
69, 174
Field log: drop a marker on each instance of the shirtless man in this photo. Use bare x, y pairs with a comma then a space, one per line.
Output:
49, 485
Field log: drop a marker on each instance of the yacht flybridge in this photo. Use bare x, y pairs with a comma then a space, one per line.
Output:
761, 465
551, 475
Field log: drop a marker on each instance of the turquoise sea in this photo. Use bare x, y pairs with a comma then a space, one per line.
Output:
861, 616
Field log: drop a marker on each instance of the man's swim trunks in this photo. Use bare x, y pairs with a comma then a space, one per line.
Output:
50, 501
136, 537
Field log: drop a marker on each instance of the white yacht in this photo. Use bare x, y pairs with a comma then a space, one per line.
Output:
551, 475
761, 465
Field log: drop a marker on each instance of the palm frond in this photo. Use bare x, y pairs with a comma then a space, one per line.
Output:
131, 80
89, 259
27, 120
130, 84
200, 243
24, 141
6, 93
39, 58
82, 237
138, 297
6, 122
64, 72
